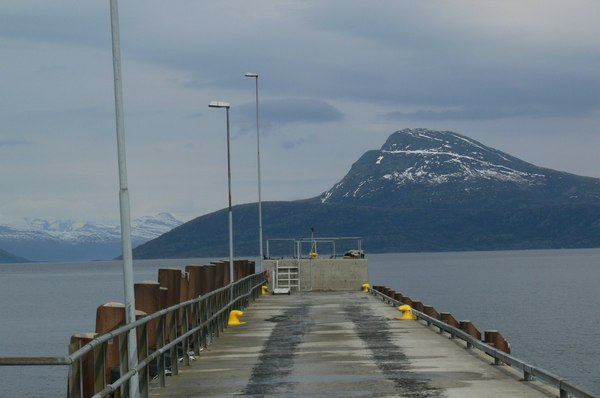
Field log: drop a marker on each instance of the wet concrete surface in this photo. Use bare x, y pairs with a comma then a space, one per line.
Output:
342, 344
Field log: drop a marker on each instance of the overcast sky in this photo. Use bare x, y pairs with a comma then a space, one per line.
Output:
336, 79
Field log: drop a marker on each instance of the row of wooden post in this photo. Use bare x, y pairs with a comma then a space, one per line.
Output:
174, 285
491, 337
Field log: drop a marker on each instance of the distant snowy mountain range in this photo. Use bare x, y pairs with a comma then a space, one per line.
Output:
60, 240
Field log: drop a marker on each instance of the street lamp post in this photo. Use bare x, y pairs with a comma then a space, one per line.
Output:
260, 232
226, 105
134, 388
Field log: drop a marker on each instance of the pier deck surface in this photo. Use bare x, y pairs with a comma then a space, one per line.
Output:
340, 344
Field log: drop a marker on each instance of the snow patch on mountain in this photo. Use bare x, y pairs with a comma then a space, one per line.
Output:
462, 166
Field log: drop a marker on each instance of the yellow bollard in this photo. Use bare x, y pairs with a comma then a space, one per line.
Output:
265, 289
234, 318
407, 314
365, 287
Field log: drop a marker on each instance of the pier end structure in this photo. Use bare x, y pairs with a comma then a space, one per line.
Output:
317, 274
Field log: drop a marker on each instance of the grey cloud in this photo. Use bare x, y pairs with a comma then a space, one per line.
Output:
462, 114
294, 143
433, 59
13, 143
456, 65
278, 113
54, 22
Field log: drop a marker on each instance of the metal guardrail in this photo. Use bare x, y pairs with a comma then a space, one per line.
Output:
190, 324
565, 387
296, 245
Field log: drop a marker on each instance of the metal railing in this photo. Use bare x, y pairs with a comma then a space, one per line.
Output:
181, 329
331, 243
565, 387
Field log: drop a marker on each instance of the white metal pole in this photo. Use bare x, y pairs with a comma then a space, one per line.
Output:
124, 203
230, 209
260, 226
226, 105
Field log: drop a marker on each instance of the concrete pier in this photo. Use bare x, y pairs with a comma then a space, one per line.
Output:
341, 344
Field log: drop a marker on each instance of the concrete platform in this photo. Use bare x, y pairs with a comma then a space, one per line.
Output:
341, 344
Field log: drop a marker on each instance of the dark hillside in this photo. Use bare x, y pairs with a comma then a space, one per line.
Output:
6, 257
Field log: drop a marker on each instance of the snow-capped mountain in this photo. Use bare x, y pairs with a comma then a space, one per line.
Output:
423, 190
149, 227
421, 167
142, 229
56, 240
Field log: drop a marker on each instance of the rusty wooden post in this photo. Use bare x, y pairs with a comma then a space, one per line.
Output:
238, 266
163, 298
219, 274
222, 272
173, 327
207, 278
495, 339
469, 328
498, 339
398, 297
430, 311
417, 305
81, 379
184, 288
390, 294
100, 367
450, 320
147, 299
171, 279
143, 334
246, 267
110, 316
194, 272
238, 270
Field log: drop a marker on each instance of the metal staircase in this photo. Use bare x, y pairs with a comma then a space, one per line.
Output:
286, 278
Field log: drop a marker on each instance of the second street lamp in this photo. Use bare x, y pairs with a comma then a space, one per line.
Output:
260, 235
220, 104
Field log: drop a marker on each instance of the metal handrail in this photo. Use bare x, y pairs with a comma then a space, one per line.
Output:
212, 320
297, 243
565, 387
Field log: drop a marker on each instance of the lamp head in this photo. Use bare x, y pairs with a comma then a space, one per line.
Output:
251, 74
218, 104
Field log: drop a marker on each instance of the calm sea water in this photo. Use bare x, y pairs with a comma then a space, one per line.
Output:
544, 302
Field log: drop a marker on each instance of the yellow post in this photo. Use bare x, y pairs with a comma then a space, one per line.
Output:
234, 318
407, 314
365, 287
265, 289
